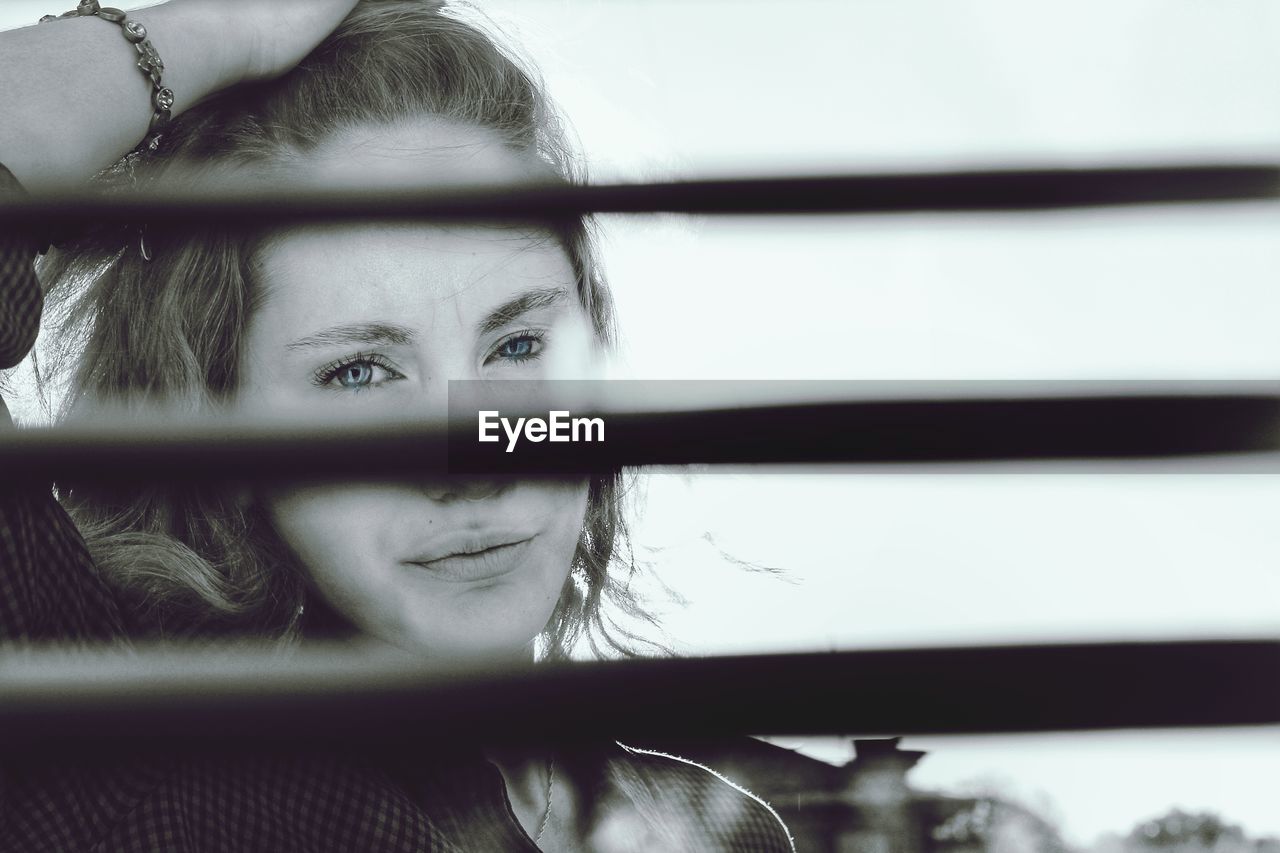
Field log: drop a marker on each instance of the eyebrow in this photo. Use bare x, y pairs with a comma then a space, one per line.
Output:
510, 311
389, 334
372, 334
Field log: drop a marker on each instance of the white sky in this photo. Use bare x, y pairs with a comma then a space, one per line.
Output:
657, 89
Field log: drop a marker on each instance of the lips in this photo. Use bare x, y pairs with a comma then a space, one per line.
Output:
470, 556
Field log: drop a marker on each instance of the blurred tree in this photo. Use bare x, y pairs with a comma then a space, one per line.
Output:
1185, 832
998, 820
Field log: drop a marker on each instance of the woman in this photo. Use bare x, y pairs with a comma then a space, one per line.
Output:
351, 318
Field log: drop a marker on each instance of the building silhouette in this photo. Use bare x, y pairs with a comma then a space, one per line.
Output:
867, 805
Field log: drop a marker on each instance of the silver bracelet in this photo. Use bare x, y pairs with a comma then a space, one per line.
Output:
148, 61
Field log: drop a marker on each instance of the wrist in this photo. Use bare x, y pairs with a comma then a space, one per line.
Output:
204, 47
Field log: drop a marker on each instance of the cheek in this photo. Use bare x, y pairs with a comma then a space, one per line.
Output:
563, 509
338, 533
350, 540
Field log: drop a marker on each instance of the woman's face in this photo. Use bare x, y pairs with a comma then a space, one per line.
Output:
376, 318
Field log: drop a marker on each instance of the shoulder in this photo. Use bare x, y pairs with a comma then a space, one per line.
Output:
697, 807
21, 300
50, 588
317, 803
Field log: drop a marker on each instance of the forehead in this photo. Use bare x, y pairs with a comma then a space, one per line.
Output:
341, 265
426, 150
403, 267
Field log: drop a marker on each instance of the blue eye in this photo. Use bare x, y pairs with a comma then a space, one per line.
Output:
356, 374
519, 347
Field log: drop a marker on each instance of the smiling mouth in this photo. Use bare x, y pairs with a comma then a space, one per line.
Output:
475, 566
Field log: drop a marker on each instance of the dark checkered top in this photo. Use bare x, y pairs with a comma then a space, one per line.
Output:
50, 590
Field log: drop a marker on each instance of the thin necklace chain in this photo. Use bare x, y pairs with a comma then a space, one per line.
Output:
546, 815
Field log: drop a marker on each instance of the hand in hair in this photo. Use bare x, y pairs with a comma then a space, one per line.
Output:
74, 102
281, 32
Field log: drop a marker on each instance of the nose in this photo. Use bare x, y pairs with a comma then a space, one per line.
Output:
462, 489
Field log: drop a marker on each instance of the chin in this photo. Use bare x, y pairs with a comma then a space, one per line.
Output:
501, 620
460, 647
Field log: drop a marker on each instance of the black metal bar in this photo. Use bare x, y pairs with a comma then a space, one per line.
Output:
962, 191
866, 431
159, 703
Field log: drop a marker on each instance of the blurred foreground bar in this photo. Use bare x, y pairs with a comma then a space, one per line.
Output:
963, 191
335, 697
1133, 425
